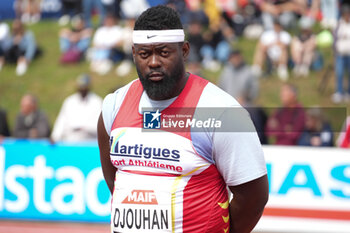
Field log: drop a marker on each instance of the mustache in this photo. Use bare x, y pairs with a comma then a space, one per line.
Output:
157, 71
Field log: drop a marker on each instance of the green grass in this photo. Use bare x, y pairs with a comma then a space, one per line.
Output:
53, 82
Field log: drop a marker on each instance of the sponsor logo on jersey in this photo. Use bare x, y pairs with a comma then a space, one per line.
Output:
143, 197
147, 152
141, 151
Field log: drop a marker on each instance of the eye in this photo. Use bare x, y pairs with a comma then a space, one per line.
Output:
143, 54
164, 53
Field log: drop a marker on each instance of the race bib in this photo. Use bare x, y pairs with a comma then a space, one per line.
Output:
141, 209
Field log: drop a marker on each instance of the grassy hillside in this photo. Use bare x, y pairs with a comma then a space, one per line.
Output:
52, 82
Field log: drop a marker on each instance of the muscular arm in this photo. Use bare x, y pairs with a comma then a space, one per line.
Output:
247, 205
103, 143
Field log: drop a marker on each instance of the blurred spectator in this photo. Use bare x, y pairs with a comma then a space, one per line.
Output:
109, 7
342, 53
344, 137
23, 48
116, 10
4, 41
217, 46
70, 10
273, 45
195, 38
244, 18
317, 132
90, 6
31, 122
213, 11
195, 12
230, 6
78, 116
286, 11
330, 13
125, 51
4, 127
287, 123
74, 41
258, 116
107, 46
259, 119
133, 8
237, 78
181, 7
313, 10
303, 48
28, 10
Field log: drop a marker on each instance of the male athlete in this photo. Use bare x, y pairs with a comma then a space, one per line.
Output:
165, 180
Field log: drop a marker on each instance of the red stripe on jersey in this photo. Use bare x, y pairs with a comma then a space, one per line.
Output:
128, 114
191, 93
203, 203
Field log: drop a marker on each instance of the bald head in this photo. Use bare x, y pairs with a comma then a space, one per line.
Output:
29, 104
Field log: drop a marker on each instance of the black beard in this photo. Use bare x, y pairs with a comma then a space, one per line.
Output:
164, 88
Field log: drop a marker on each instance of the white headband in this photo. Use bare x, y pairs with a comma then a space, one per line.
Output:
158, 36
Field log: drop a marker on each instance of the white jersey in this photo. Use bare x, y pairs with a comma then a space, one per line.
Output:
175, 181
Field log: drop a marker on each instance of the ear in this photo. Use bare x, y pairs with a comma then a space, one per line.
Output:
185, 50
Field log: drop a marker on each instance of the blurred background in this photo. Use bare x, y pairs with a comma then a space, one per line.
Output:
286, 62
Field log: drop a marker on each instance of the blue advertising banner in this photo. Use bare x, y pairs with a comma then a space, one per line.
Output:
309, 187
52, 182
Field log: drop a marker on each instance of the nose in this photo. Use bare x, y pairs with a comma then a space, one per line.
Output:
154, 61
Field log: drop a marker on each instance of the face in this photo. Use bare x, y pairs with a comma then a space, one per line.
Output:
109, 21
346, 17
311, 122
161, 68
79, 24
27, 105
236, 60
17, 27
195, 28
287, 96
84, 91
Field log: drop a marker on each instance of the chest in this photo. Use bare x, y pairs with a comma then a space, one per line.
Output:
157, 152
